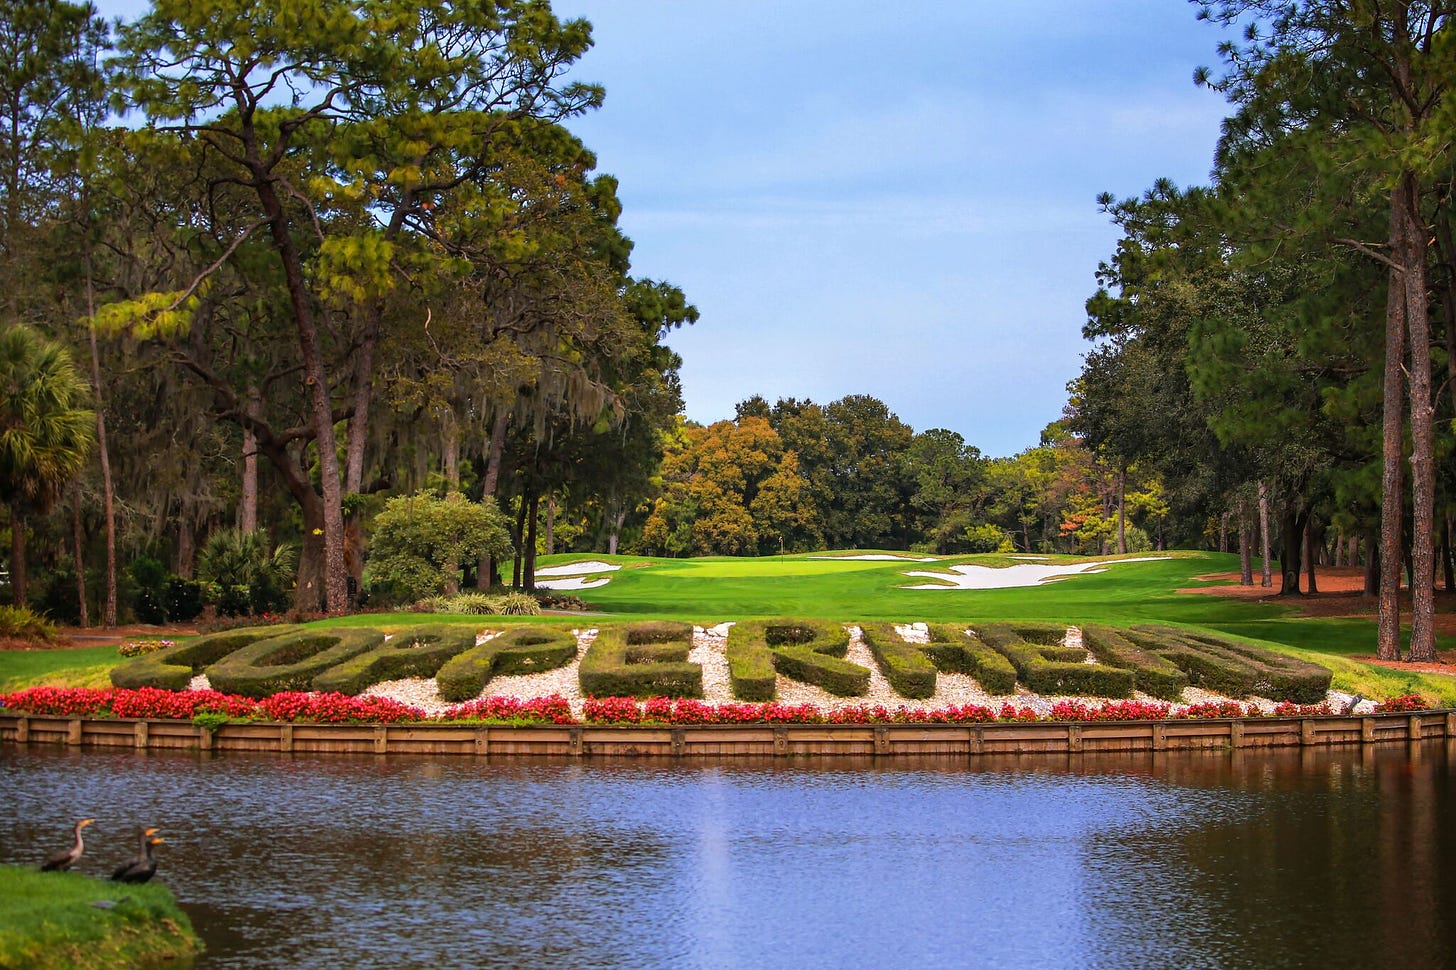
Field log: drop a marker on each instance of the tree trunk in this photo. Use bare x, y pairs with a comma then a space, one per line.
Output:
248, 502
1423, 436
1122, 509
103, 454
1223, 532
485, 569
617, 520
321, 411
1447, 567
550, 543
1266, 578
1311, 543
1372, 565
1291, 537
1246, 543
17, 555
1392, 499
450, 446
78, 545
309, 591
528, 569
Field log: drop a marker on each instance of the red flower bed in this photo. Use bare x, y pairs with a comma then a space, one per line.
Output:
1402, 704
553, 710
149, 702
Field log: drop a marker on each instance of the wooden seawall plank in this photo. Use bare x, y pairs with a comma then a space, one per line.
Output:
729, 741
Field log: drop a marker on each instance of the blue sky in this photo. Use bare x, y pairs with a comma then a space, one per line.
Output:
888, 199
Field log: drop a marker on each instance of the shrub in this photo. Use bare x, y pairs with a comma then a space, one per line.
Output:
807, 650
248, 576
461, 604
1151, 673
149, 582
135, 648
288, 662
1046, 667
1236, 669
20, 623
172, 668
641, 660
421, 541
521, 650
517, 603
420, 652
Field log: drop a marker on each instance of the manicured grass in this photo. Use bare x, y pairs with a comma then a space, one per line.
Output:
49, 920
84, 667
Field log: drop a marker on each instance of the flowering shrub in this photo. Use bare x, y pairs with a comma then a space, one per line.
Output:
135, 648
1403, 704
538, 710
333, 708
1212, 709
1291, 709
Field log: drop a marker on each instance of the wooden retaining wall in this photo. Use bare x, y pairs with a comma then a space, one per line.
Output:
730, 741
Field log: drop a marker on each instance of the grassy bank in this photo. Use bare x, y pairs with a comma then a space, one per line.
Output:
51, 920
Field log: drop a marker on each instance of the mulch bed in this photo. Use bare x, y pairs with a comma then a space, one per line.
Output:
1341, 594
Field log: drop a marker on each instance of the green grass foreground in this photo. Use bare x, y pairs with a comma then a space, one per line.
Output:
712, 590
48, 921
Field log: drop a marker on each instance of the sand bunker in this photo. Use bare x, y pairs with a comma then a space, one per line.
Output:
574, 575
971, 576
880, 556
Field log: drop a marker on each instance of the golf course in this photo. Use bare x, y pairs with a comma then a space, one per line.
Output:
875, 586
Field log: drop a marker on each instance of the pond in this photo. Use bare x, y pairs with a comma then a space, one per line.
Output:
1284, 858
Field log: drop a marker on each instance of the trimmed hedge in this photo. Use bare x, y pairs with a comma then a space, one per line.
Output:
419, 652
520, 650
907, 666
807, 650
955, 650
172, 668
1151, 673
1046, 667
288, 662
911, 667
1235, 669
641, 660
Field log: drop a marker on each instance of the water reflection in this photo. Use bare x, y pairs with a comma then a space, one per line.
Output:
1189, 860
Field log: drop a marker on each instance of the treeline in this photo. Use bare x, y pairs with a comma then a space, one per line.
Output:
1286, 337
326, 253
798, 476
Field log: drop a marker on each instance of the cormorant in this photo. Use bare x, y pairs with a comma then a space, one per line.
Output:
144, 866
141, 857
62, 861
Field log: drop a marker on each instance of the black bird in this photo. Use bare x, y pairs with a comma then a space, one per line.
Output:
62, 861
144, 866
141, 857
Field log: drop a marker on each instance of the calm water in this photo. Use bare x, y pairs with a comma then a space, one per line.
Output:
1286, 859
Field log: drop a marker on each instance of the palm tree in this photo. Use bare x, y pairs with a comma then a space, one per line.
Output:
46, 432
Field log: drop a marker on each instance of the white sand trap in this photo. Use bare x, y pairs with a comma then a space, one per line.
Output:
971, 576
880, 556
573, 582
578, 568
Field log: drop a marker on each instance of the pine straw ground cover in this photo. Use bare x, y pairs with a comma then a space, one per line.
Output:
213, 707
